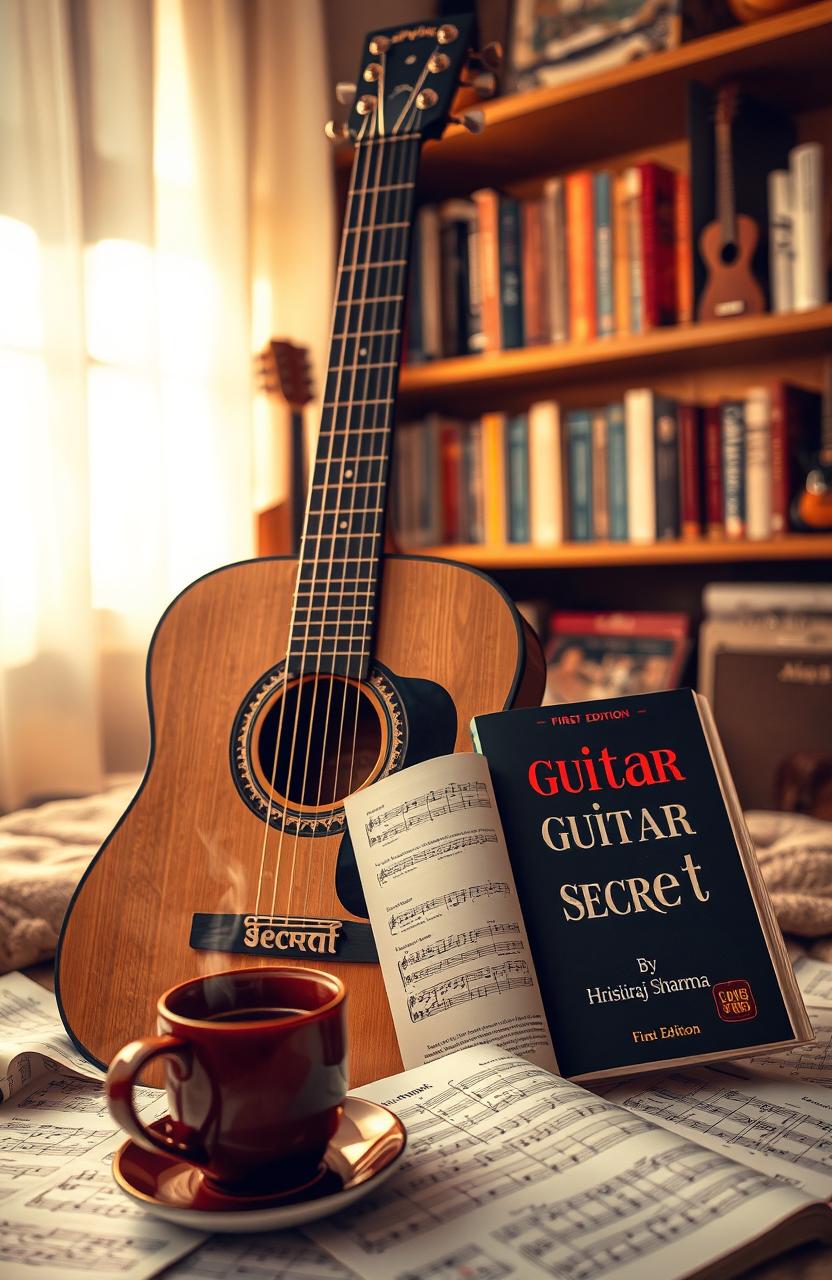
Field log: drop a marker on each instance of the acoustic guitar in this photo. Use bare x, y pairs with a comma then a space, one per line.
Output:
727, 245
812, 508
283, 369
277, 687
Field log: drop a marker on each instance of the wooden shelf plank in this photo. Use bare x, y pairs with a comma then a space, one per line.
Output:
676, 348
585, 555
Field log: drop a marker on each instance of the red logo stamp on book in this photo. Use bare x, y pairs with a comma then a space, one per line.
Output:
735, 1001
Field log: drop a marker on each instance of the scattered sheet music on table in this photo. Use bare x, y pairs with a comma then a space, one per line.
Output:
813, 978
441, 898
31, 1036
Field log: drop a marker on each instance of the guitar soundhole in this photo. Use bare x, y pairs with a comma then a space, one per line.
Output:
729, 253
299, 747
331, 741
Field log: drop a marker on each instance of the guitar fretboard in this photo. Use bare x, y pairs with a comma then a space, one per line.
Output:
338, 576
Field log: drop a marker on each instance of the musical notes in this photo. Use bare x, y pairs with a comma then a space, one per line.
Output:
277, 1255
491, 980
470, 1261
434, 852
397, 922
445, 946
451, 798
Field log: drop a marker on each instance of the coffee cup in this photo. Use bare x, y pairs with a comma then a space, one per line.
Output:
255, 1072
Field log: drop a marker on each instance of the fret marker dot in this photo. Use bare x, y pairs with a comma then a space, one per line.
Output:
362, 351
348, 474
343, 524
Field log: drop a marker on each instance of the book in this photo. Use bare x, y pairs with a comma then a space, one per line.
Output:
581, 256
555, 255
810, 268
658, 249
600, 849
517, 477
795, 431
536, 324
579, 470
604, 285
641, 472
758, 485
684, 248
666, 454
487, 205
712, 471
546, 475
635, 258
450, 449
617, 471
472, 499
733, 468
620, 253
600, 476
430, 284
604, 655
689, 472
511, 280
494, 477
781, 240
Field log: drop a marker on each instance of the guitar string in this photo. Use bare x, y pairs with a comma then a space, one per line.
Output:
375, 151
384, 454
406, 161
350, 277
293, 613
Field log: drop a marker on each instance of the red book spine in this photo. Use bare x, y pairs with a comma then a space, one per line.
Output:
684, 249
580, 235
450, 463
658, 238
689, 471
713, 471
780, 463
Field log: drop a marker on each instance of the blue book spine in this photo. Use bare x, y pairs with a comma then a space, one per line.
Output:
517, 478
733, 467
602, 206
511, 282
617, 464
579, 456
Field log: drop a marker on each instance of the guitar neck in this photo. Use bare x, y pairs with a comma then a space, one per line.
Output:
726, 210
338, 575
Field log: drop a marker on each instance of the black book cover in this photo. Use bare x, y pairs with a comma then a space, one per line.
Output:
666, 456
644, 932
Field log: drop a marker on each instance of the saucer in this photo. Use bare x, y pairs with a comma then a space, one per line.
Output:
362, 1153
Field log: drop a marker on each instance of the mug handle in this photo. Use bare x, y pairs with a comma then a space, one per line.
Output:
127, 1064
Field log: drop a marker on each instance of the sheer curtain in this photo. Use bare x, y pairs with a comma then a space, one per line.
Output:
134, 247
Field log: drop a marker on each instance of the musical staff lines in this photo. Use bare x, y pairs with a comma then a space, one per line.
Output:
86, 1191
475, 985
35, 1247
401, 920
277, 1255
501, 939
438, 851
382, 827
49, 1139
686, 1188
470, 1262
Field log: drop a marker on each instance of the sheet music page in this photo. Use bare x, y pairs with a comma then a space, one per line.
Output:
275, 1255
511, 1171
61, 1213
32, 1037
443, 905
808, 1063
815, 981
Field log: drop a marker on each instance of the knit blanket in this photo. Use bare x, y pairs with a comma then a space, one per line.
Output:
45, 851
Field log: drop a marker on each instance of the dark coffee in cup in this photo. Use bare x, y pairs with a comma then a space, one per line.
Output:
255, 1067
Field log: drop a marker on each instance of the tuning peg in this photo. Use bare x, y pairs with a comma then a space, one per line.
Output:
345, 93
473, 121
484, 83
491, 56
336, 132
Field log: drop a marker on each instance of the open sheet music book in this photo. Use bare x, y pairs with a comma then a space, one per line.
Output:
584, 894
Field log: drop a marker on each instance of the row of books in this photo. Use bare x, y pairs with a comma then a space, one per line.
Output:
595, 255
641, 469
797, 260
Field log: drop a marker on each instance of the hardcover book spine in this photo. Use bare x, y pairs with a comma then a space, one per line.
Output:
600, 476
684, 248
620, 254
546, 506
617, 472
733, 468
579, 222
535, 283
807, 191
488, 243
658, 248
473, 292
780, 462
758, 486
579, 452
453, 247
641, 477
632, 183
494, 477
474, 483
517, 473
691, 518
511, 283
451, 449
781, 240
712, 470
431, 282
602, 205
555, 252
666, 447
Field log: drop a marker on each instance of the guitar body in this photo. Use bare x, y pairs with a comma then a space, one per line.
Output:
812, 509
192, 842
731, 289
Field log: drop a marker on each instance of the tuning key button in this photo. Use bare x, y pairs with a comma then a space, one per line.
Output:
492, 55
427, 98
336, 132
345, 93
484, 83
473, 121
447, 33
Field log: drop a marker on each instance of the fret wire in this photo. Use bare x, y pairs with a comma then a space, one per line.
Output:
350, 302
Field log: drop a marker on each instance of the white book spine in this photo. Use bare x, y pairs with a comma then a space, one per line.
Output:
545, 475
554, 251
641, 467
781, 240
807, 195
758, 463
431, 282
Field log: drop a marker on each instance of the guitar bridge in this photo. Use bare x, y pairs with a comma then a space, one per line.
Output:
293, 937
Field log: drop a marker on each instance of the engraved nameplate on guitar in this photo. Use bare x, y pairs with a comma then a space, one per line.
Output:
295, 937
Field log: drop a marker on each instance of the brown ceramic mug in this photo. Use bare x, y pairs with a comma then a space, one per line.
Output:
255, 1069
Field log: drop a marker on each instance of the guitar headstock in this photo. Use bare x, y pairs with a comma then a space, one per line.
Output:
727, 103
283, 368
408, 78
